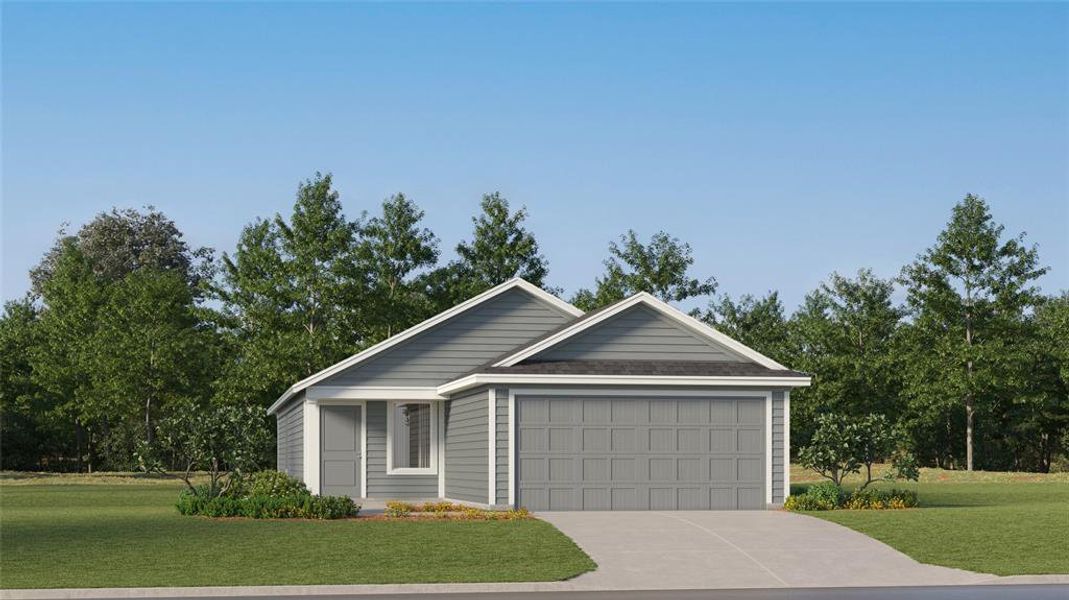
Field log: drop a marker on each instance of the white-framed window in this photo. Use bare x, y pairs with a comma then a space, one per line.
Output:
411, 438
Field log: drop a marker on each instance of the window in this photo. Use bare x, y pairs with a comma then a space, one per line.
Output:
412, 431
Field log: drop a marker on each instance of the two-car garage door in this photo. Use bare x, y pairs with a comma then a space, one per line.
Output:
640, 453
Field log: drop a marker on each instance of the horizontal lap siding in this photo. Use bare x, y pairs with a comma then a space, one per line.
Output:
379, 483
467, 447
459, 345
290, 438
639, 333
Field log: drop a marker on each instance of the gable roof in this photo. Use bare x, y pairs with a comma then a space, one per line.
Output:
415, 330
593, 318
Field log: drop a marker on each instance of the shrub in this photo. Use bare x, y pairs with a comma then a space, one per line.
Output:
273, 483
296, 506
821, 496
870, 499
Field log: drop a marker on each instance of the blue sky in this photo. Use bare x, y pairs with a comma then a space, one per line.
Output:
783, 141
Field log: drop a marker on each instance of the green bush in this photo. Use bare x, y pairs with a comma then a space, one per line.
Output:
298, 506
870, 499
272, 483
825, 496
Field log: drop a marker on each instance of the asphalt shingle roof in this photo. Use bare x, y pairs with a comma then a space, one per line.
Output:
683, 368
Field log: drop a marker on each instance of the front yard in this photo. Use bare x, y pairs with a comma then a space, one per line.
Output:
72, 531
999, 523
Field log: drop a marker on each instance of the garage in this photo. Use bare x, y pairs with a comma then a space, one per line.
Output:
655, 452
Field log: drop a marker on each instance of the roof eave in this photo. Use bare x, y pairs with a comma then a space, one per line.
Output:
480, 379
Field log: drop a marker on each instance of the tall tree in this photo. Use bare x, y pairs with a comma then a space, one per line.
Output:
27, 435
1037, 422
395, 251
502, 248
125, 240
150, 348
661, 267
293, 294
760, 323
845, 333
966, 295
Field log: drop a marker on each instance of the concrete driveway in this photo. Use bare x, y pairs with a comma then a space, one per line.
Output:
741, 549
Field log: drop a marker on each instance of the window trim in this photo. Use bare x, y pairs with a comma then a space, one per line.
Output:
391, 407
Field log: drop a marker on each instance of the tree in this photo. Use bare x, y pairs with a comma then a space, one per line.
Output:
226, 440
843, 445
660, 268
150, 348
123, 241
501, 248
759, 323
1037, 423
294, 295
395, 249
845, 333
966, 295
26, 433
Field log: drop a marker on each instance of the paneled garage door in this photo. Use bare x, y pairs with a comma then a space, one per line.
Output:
640, 453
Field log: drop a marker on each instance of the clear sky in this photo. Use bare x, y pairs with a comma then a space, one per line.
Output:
783, 141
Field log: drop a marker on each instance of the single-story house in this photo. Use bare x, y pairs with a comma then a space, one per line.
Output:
517, 398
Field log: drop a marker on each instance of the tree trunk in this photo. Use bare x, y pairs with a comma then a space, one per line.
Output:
969, 411
148, 420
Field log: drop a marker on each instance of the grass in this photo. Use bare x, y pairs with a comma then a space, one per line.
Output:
106, 534
999, 523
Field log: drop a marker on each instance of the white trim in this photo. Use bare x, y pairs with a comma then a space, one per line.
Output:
363, 449
431, 470
372, 393
768, 449
479, 379
786, 444
492, 449
632, 392
441, 451
665, 309
514, 392
312, 447
512, 448
390, 342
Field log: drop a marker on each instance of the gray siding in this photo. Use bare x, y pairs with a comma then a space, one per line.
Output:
502, 446
459, 345
778, 463
290, 437
379, 484
467, 459
639, 333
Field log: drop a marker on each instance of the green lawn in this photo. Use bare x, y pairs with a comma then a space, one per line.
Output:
1000, 523
87, 534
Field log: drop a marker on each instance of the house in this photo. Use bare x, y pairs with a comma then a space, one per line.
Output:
517, 398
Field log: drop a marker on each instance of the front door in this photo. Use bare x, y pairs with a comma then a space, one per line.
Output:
340, 443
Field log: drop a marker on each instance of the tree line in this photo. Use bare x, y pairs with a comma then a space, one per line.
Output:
126, 327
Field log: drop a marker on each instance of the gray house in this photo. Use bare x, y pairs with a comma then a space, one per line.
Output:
517, 398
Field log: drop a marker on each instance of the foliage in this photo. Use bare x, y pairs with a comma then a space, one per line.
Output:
966, 296
269, 483
294, 506
661, 268
828, 496
844, 445
395, 249
293, 295
226, 440
845, 333
396, 509
760, 323
501, 248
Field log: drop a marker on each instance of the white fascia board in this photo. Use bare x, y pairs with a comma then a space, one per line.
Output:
420, 328
478, 379
687, 321
323, 392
